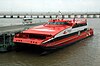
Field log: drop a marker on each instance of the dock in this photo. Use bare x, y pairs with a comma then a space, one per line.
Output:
7, 33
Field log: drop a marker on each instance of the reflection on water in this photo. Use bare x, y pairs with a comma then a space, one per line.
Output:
82, 53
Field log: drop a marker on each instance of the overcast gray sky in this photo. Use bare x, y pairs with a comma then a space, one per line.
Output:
50, 5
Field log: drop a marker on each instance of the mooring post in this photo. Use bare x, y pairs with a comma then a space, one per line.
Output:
75, 16
24, 16
63, 16
4, 16
88, 16
69, 16
11, 16
43, 16
37, 16
18, 16
50, 16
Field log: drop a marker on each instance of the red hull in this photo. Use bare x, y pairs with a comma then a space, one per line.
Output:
56, 33
63, 42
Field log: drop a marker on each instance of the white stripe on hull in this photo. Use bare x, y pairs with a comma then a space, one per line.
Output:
68, 31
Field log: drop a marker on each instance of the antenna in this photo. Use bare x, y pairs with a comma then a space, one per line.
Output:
60, 14
74, 19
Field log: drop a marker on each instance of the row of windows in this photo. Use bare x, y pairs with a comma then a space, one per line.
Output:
79, 25
37, 36
58, 23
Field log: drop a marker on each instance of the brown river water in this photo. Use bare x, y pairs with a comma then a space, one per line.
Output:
83, 53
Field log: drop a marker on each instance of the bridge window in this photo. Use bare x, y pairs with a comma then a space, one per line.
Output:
58, 23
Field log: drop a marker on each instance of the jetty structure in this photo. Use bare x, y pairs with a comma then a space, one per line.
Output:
7, 33
49, 14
